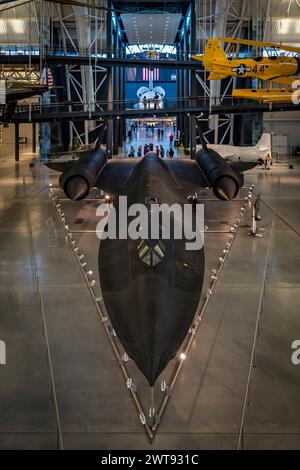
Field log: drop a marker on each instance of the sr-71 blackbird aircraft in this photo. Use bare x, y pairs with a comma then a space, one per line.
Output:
151, 288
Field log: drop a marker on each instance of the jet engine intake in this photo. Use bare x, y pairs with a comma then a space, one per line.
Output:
224, 181
80, 179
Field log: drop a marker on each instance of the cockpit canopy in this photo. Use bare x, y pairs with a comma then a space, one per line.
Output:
151, 255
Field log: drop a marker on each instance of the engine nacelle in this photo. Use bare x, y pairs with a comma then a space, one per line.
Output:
80, 179
224, 181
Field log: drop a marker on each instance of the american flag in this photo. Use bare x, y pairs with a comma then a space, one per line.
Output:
47, 77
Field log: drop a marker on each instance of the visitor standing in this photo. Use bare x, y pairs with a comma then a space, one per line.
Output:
131, 152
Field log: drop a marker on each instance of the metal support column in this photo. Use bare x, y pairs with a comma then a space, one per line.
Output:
109, 97
193, 137
33, 137
179, 78
17, 142
221, 8
192, 81
116, 94
84, 42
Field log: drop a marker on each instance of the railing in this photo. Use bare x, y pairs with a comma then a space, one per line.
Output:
186, 104
86, 52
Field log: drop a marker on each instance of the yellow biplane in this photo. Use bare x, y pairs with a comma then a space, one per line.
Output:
275, 68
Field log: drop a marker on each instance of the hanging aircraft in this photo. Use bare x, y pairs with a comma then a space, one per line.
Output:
16, 90
274, 67
257, 153
151, 287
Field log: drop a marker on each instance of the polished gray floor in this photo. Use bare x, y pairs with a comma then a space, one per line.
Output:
95, 408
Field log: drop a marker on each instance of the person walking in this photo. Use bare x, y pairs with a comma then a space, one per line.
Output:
162, 133
171, 139
171, 152
162, 151
158, 133
145, 149
131, 152
157, 151
130, 135
140, 149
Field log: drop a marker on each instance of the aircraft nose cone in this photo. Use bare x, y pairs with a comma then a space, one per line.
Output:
225, 188
76, 188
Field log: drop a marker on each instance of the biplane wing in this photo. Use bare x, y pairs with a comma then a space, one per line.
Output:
216, 76
246, 42
284, 80
266, 95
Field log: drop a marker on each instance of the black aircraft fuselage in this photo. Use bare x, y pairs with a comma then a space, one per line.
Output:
151, 288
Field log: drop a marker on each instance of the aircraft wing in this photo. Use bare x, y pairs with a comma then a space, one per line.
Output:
60, 164
240, 167
284, 80
115, 174
187, 172
112, 178
225, 151
199, 58
217, 76
273, 45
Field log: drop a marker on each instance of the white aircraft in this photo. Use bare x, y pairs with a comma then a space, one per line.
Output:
261, 151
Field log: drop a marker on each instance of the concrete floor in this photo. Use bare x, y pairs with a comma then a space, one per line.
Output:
95, 408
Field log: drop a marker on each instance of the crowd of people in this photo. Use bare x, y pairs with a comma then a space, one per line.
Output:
159, 150
150, 130
155, 132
